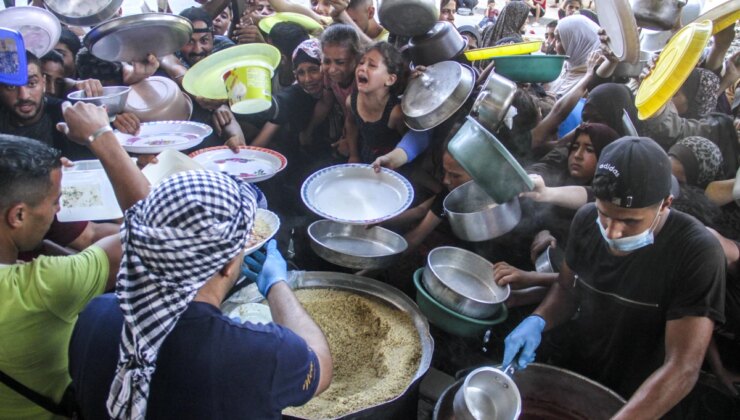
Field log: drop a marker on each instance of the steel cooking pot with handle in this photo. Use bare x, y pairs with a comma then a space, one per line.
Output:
659, 15
408, 17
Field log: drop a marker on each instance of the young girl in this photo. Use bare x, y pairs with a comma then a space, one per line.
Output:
374, 124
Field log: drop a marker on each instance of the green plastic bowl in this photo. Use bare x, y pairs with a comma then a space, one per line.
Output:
449, 320
530, 68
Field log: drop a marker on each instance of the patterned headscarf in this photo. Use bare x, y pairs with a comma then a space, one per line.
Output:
188, 228
307, 51
509, 22
701, 89
701, 159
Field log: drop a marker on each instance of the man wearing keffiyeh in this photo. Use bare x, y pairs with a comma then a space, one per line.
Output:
177, 355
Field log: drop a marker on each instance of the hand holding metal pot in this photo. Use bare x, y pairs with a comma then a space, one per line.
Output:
525, 338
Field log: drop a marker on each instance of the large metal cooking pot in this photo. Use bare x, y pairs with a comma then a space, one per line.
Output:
659, 15
83, 12
436, 94
405, 405
442, 42
493, 101
474, 216
408, 17
549, 392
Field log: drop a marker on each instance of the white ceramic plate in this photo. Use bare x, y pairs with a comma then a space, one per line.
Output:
156, 137
353, 193
269, 224
252, 164
39, 28
87, 194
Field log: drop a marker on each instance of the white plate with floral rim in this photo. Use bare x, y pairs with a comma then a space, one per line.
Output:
252, 164
158, 136
353, 193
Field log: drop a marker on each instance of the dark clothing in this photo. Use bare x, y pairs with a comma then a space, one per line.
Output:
625, 301
375, 138
292, 106
209, 367
45, 131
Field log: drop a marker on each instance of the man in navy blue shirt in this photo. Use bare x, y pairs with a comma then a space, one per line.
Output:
161, 348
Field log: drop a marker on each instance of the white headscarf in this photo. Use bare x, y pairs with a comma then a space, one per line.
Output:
579, 37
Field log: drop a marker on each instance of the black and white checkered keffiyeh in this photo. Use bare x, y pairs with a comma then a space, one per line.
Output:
186, 230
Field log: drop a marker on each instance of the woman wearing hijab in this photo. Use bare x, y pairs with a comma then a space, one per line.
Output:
695, 161
575, 36
697, 97
607, 104
509, 24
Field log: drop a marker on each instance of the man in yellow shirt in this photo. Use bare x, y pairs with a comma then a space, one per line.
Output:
40, 300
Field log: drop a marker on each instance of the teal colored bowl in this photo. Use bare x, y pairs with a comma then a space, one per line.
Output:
449, 320
530, 68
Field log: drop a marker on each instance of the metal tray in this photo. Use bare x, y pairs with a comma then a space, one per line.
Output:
353, 193
354, 246
39, 28
83, 12
132, 38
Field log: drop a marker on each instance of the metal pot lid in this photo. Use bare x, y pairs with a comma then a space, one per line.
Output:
434, 88
83, 12
618, 20
39, 28
130, 38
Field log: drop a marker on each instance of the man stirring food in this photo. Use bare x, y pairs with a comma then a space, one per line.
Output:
641, 287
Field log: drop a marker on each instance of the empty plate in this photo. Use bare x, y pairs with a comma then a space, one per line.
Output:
353, 193
87, 194
252, 164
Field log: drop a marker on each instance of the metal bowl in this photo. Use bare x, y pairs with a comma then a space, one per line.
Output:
436, 94
408, 17
474, 216
442, 42
354, 246
493, 101
113, 98
549, 261
83, 12
488, 393
375, 290
463, 281
627, 69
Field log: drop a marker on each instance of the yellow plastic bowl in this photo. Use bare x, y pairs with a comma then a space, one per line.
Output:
675, 63
500, 50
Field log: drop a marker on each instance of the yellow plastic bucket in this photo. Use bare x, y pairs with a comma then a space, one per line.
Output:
249, 88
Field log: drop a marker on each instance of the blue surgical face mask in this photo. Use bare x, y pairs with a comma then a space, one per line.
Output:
634, 242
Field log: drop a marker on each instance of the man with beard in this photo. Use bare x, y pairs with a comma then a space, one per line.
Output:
24, 111
202, 42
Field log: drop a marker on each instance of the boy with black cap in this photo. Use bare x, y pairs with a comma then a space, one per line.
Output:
645, 283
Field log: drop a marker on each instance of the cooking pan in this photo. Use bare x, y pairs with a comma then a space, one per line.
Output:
83, 12
408, 17
488, 393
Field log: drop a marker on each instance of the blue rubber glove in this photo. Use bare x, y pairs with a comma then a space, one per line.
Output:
271, 268
525, 337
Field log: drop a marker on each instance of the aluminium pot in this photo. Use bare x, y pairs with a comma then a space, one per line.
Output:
83, 12
626, 69
474, 216
441, 43
436, 94
658, 15
404, 406
488, 393
549, 392
408, 17
493, 101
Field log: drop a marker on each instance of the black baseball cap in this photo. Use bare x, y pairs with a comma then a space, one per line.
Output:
633, 172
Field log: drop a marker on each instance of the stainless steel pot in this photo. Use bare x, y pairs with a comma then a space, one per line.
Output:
657, 14
627, 69
405, 405
474, 216
436, 94
442, 42
493, 101
83, 12
488, 393
355, 246
463, 281
549, 392
408, 17
549, 261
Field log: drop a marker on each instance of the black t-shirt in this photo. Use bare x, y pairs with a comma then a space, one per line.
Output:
293, 106
625, 301
45, 131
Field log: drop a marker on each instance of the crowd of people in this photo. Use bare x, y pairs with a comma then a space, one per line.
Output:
645, 211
